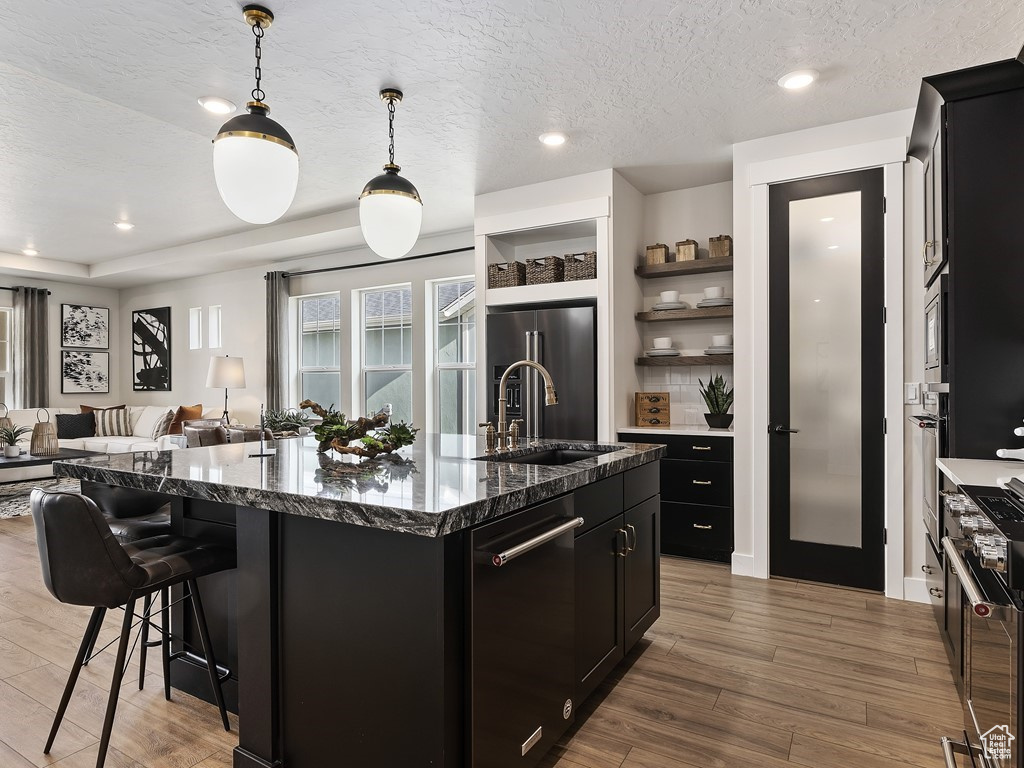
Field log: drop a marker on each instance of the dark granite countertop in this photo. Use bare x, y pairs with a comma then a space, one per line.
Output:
431, 489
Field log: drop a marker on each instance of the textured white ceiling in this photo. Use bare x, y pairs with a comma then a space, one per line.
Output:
98, 113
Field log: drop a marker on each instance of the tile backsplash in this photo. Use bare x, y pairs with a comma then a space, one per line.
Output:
684, 389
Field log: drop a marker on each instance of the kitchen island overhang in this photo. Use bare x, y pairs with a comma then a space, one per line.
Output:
352, 641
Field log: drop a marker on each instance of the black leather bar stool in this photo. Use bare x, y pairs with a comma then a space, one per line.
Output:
83, 564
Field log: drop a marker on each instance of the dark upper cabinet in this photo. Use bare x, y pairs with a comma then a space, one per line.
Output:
933, 252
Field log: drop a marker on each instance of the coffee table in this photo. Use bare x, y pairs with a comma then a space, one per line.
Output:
30, 467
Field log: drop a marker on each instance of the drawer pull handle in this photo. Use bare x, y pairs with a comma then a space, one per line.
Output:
631, 529
701, 447
702, 482
654, 410
625, 544
702, 527
927, 569
935, 592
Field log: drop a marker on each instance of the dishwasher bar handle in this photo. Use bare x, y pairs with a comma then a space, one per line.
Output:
512, 553
979, 605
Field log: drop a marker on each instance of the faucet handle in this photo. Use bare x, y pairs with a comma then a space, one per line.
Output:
490, 435
513, 432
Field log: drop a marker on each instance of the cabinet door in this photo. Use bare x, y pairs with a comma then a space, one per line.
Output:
643, 569
600, 624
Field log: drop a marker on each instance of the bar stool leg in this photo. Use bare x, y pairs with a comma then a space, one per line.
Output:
211, 662
95, 637
88, 641
165, 639
147, 604
115, 683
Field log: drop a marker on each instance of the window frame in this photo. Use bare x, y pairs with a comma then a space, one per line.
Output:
301, 369
364, 369
7, 374
436, 365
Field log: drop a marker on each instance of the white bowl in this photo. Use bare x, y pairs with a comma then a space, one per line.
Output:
721, 340
715, 292
670, 297
663, 342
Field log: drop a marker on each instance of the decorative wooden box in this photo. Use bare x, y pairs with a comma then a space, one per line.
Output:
720, 246
686, 250
657, 253
652, 409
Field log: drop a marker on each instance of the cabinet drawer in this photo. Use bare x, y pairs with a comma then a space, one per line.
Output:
697, 482
639, 484
685, 527
696, 447
598, 502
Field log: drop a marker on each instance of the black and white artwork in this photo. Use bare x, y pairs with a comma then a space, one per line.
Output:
84, 372
84, 326
151, 350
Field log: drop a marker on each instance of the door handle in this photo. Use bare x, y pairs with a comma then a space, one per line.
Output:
631, 529
780, 429
625, 542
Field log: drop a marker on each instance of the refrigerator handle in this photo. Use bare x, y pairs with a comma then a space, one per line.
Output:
538, 357
526, 388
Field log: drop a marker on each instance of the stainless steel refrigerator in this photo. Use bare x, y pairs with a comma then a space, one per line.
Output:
563, 340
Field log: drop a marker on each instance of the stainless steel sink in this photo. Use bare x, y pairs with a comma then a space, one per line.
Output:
556, 457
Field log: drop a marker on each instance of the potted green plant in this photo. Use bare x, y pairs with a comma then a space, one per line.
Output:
288, 420
9, 439
718, 398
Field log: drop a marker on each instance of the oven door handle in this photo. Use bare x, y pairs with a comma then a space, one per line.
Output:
979, 605
950, 749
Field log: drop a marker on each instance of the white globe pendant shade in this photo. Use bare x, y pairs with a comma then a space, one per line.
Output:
390, 214
256, 167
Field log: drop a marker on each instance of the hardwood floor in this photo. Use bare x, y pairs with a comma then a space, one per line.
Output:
738, 672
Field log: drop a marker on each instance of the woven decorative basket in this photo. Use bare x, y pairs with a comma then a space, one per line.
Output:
506, 275
44, 437
549, 269
5, 420
580, 266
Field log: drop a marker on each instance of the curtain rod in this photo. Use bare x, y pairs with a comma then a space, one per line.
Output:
15, 290
374, 263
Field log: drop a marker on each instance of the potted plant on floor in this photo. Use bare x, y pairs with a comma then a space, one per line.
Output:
9, 439
718, 398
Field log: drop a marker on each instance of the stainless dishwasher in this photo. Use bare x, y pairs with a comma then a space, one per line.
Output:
522, 631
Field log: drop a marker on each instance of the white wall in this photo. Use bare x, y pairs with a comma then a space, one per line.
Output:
69, 293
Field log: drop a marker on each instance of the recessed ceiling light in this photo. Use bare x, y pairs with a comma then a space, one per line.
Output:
817, 301
829, 218
833, 247
801, 78
30, 251
217, 105
553, 138
124, 226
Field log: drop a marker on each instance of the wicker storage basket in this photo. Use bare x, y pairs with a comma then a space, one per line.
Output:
580, 266
657, 253
44, 437
686, 250
720, 246
506, 275
549, 269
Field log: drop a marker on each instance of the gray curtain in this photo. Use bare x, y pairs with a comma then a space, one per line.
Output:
31, 340
277, 341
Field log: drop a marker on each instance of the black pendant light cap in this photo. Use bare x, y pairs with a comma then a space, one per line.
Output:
390, 183
255, 124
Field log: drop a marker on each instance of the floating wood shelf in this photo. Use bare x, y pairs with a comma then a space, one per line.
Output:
695, 267
708, 313
686, 360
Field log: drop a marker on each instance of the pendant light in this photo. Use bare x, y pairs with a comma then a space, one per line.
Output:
254, 158
390, 209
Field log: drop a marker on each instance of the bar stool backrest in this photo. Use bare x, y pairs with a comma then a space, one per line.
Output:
121, 503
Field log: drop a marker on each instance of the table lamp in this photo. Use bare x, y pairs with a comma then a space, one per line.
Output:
227, 373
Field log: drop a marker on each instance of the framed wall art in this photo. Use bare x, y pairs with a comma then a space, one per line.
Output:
151, 350
84, 326
84, 372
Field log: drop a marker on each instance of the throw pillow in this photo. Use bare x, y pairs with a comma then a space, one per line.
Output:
184, 413
112, 422
71, 426
90, 408
163, 424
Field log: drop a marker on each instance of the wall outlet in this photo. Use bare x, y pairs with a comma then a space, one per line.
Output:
912, 393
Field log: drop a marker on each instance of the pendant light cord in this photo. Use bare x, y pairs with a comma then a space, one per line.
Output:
391, 131
257, 92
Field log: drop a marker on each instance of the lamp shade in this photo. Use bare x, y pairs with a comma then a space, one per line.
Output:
226, 373
390, 214
256, 166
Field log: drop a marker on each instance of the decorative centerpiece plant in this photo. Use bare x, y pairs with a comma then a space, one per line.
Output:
367, 436
288, 420
10, 437
718, 398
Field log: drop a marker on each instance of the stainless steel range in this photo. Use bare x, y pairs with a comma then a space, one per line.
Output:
987, 559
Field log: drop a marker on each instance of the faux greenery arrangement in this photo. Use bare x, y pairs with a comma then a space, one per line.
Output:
12, 435
718, 398
288, 420
338, 433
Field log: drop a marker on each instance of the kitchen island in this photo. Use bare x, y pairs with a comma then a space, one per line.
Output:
429, 609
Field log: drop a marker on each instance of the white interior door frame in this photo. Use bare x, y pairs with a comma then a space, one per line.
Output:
890, 155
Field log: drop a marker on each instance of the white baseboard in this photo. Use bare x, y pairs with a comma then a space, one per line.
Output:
915, 590
742, 565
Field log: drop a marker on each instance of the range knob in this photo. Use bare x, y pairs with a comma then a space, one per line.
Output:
981, 540
972, 524
993, 558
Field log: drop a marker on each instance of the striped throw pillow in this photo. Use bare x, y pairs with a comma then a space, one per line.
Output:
112, 422
163, 424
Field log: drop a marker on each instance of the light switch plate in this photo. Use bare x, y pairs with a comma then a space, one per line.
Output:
912, 393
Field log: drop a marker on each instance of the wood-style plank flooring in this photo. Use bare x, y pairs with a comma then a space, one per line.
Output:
737, 673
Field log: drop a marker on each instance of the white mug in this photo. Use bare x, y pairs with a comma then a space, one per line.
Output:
721, 340
715, 292
663, 342
670, 297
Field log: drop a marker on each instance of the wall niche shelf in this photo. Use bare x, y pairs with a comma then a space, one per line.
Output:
542, 292
708, 313
685, 360
695, 267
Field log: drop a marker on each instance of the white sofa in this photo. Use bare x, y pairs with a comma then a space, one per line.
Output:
143, 420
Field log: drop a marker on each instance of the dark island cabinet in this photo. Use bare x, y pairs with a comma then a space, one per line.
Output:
618, 594
696, 494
